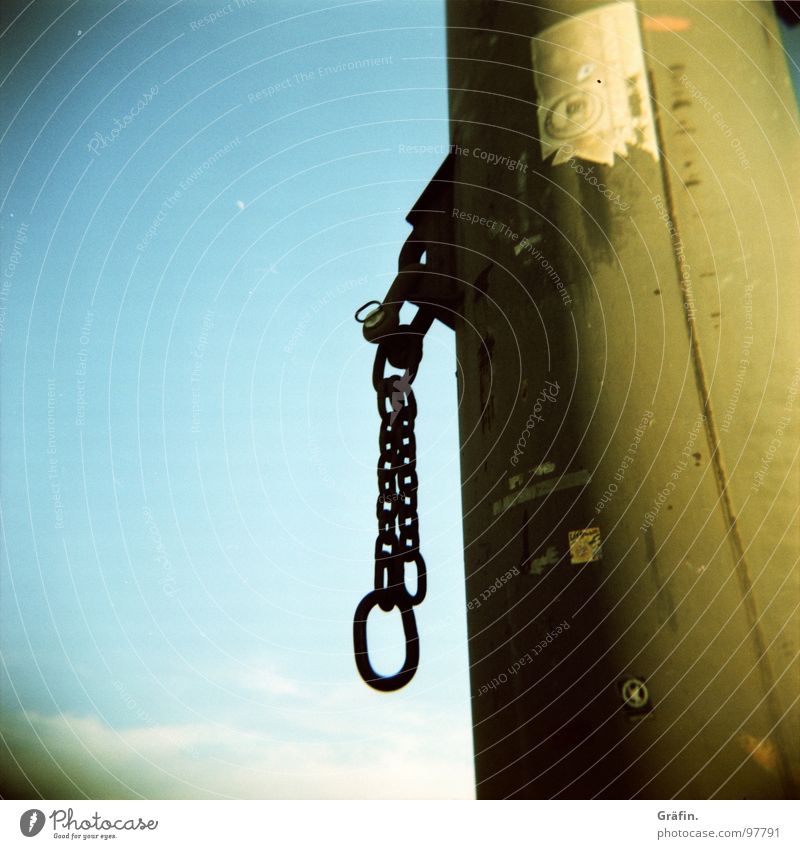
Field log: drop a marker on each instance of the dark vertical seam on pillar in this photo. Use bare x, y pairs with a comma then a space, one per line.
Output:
749, 604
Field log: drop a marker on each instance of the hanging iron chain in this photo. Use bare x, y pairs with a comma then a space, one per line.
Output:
397, 543
421, 280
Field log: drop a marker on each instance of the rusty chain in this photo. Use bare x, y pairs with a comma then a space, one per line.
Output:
397, 543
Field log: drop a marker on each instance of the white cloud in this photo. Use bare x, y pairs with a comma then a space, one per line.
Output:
206, 760
265, 679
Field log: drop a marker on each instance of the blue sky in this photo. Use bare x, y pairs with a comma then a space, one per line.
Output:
195, 199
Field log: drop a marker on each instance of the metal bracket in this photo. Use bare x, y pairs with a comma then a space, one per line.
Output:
427, 284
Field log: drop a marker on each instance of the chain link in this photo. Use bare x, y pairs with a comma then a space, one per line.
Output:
397, 543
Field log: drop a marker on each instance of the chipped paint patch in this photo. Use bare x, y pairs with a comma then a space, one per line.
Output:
549, 558
763, 752
541, 488
516, 481
526, 241
666, 23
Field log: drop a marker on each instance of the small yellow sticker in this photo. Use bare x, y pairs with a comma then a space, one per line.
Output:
585, 546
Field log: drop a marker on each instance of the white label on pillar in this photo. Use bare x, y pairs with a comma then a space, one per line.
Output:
591, 84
